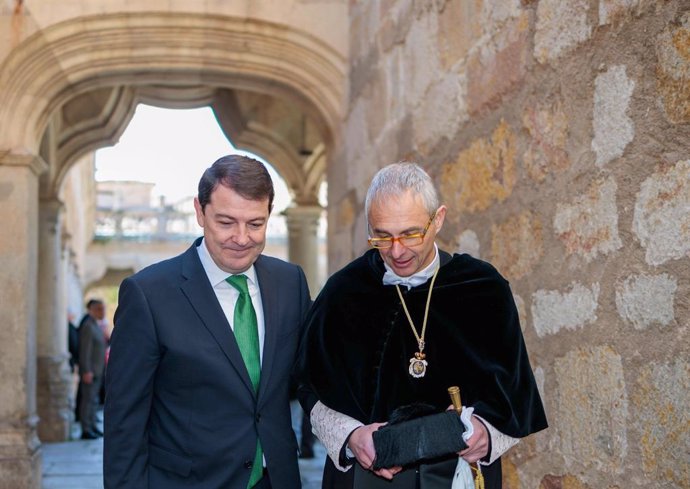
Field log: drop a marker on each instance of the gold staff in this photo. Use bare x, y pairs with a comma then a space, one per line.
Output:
454, 393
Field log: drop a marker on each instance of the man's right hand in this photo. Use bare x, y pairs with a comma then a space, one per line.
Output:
361, 443
87, 377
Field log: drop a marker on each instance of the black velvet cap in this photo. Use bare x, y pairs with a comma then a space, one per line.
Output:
425, 438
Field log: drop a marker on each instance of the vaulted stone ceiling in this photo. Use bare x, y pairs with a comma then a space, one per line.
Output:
274, 128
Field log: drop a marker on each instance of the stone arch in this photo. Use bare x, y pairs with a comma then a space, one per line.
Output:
128, 57
185, 59
63, 143
301, 163
50, 68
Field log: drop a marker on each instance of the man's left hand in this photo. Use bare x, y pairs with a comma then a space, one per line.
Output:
361, 443
478, 444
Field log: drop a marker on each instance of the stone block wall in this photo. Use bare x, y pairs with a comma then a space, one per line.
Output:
559, 136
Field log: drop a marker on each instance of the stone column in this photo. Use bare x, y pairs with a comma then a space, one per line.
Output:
303, 250
73, 304
20, 454
53, 376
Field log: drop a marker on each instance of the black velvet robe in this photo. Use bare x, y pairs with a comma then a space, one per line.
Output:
359, 344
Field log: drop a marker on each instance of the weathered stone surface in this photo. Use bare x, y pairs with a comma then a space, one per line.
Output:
567, 481
661, 398
459, 27
53, 398
560, 27
517, 245
19, 447
346, 213
361, 73
522, 312
613, 129
468, 242
539, 378
495, 14
396, 23
442, 113
661, 219
612, 10
644, 300
360, 234
511, 478
356, 130
363, 29
483, 174
396, 105
499, 66
385, 6
548, 130
21, 473
591, 409
553, 311
543, 441
377, 97
589, 226
673, 70
422, 64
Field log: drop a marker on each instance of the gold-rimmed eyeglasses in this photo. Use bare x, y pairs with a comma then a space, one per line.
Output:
405, 240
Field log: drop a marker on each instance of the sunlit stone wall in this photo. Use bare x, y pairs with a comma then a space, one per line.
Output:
559, 136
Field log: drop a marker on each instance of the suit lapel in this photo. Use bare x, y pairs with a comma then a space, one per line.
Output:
269, 300
203, 299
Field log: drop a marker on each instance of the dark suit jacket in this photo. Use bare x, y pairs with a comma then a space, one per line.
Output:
91, 347
180, 410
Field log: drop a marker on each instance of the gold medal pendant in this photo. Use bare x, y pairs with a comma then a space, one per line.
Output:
418, 365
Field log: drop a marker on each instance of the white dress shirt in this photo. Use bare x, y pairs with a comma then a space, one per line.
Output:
227, 294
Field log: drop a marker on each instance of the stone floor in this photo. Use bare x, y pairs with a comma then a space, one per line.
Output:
78, 464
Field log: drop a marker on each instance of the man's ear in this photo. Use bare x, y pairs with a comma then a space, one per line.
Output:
440, 217
199, 212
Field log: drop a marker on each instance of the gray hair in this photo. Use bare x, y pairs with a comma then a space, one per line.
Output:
395, 179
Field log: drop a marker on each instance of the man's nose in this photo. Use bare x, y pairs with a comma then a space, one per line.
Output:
397, 249
241, 236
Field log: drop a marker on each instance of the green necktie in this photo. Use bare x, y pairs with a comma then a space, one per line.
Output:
247, 336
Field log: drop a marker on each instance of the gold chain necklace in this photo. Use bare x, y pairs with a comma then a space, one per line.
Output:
418, 363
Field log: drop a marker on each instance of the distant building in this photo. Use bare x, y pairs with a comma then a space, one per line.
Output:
124, 195
128, 210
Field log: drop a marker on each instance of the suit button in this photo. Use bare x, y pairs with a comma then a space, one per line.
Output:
248, 464
257, 417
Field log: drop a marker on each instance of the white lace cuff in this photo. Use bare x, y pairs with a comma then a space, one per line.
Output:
332, 429
500, 442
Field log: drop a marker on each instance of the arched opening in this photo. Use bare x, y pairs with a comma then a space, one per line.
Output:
57, 106
145, 186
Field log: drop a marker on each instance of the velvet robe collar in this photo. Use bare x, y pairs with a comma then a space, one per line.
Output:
359, 344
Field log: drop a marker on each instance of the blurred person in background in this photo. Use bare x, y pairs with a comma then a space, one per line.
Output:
92, 345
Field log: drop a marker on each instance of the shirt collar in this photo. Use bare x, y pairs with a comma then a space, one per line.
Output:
215, 274
390, 277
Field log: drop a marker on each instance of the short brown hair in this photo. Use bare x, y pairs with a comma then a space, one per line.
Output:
246, 176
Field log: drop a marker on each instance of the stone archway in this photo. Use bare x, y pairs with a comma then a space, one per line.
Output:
167, 49
120, 57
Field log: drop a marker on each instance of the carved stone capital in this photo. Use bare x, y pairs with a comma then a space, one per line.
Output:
34, 162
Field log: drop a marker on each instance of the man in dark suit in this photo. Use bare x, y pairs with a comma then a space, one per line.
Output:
195, 397
91, 367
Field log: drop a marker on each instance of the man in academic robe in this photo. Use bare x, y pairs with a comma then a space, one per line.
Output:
398, 326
